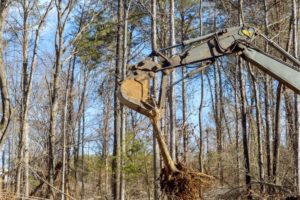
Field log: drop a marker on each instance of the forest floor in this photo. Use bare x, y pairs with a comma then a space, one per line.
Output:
216, 193
239, 193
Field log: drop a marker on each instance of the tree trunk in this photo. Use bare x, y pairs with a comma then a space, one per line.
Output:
23, 139
218, 124
82, 193
169, 164
237, 127
62, 15
105, 135
79, 176
116, 166
156, 159
64, 137
54, 100
23, 153
3, 78
244, 130
201, 98
126, 8
76, 155
267, 106
172, 93
2, 178
296, 96
70, 128
185, 136
276, 134
200, 125
258, 130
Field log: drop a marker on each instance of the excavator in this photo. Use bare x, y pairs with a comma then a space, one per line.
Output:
135, 91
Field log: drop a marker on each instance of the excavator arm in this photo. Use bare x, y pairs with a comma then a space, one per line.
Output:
287, 74
135, 91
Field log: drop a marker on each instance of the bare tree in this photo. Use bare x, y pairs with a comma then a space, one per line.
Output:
156, 157
237, 124
244, 113
202, 97
184, 131
172, 95
117, 112
297, 98
266, 99
62, 13
258, 129
276, 134
3, 79
27, 75
126, 8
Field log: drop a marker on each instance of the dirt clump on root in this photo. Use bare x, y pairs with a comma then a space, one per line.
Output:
186, 184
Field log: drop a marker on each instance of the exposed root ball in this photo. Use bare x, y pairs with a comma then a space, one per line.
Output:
185, 184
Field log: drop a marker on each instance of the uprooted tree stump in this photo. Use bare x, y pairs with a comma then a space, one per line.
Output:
186, 184
177, 181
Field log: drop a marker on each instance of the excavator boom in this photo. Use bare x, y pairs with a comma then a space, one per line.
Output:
135, 89
283, 72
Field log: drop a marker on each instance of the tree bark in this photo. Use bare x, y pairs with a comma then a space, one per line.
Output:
172, 93
64, 137
105, 135
156, 155
116, 166
296, 96
70, 129
276, 134
169, 163
221, 116
266, 99
126, 8
200, 125
3, 78
218, 124
237, 127
82, 193
80, 135
23, 139
201, 98
258, 130
185, 136
244, 130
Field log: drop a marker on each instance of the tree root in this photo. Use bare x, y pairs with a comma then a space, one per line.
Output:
186, 184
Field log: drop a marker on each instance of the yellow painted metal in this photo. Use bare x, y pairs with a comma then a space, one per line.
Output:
247, 32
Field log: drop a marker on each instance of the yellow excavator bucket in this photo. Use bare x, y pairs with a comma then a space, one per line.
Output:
134, 91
